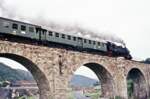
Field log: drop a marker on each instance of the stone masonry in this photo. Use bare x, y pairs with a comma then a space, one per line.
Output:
53, 68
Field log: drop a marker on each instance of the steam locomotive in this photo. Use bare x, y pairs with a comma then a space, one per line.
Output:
36, 32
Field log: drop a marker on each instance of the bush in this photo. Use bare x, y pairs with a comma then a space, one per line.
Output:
117, 97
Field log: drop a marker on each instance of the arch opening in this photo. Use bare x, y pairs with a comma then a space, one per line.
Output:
106, 83
38, 75
106, 79
136, 84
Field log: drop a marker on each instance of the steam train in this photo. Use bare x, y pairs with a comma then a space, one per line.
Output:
36, 32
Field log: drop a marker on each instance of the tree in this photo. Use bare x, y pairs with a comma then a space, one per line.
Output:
96, 83
147, 60
130, 86
4, 83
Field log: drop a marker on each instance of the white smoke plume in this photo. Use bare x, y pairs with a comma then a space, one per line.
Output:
11, 11
6, 11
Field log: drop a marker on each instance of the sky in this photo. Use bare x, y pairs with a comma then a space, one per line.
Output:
127, 19
11, 63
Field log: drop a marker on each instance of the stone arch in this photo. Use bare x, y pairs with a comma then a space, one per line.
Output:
136, 84
105, 78
38, 75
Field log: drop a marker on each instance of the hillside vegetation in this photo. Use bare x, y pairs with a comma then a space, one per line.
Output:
9, 74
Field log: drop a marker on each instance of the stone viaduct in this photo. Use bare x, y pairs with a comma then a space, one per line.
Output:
53, 68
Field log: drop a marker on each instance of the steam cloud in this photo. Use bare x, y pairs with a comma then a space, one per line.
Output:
78, 30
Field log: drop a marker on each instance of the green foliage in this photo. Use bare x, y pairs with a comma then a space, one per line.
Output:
4, 83
147, 61
24, 97
1, 84
96, 83
70, 96
130, 87
94, 95
9, 74
117, 97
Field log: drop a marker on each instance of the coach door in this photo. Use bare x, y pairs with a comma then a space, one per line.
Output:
43, 34
80, 42
38, 33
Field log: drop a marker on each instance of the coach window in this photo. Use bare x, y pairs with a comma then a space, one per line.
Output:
69, 37
15, 26
23, 28
50, 33
84, 40
89, 41
6, 24
63, 36
74, 38
93, 42
57, 34
31, 29
98, 43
